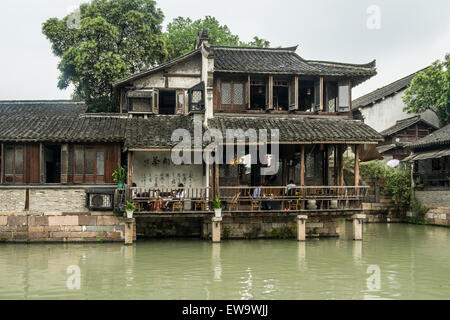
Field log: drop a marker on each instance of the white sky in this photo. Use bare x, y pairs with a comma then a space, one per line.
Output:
413, 34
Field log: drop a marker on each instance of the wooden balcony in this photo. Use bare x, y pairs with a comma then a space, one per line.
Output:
247, 199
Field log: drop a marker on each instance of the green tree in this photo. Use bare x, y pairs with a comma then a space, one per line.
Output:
182, 32
430, 90
114, 39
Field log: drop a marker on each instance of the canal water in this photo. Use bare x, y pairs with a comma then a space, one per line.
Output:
395, 261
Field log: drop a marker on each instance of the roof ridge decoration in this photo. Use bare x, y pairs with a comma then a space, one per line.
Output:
370, 65
282, 49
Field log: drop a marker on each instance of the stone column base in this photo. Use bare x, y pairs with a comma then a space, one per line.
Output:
215, 230
357, 226
301, 227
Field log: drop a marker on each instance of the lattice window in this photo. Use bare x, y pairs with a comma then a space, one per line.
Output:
238, 93
196, 96
226, 93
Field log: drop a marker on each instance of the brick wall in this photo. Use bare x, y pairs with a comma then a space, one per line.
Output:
434, 198
68, 200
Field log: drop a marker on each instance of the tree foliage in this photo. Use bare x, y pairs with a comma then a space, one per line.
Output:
114, 39
182, 32
430, 90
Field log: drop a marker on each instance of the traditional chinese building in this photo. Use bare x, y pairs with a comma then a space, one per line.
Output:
61, 158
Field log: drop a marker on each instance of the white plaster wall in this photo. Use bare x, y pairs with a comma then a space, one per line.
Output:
387, 112
157, 80
147, 174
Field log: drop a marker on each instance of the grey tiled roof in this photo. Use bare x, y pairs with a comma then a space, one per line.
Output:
405, 123
42, 107
283, 60
65, 126
436, 139
156, 131
384, 92
306, 130
269, 60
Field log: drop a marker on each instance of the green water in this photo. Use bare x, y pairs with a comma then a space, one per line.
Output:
394, 261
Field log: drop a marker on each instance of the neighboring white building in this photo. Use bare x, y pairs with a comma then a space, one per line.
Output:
382, 108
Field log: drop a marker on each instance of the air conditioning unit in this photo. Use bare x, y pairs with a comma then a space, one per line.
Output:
100, 199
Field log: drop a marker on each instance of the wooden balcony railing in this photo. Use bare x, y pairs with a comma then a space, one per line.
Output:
237, 198
295, 198
169, 199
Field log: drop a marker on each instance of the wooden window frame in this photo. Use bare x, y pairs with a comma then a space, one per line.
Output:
16, 178
83, 178
244, 93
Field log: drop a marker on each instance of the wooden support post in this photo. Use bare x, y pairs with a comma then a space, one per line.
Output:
301, 227
2, 163
130, 169
296, 93
357, 147
271, 92
249, 92
302, 167
321, 94
341, 151
216, 179
41, 163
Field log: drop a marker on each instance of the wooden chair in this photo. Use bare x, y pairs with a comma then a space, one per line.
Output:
293, 204
233, 204
254, 204
178, 206
200, 203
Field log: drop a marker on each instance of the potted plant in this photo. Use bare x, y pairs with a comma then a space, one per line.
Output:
217, 205
119, 176
130, 208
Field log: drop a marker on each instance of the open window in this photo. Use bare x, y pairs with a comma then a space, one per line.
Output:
258, 94
281, 95
331, 96
167, 102
306, 95
143, 101
52, 163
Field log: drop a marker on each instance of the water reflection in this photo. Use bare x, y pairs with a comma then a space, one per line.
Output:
410, 261
216, 262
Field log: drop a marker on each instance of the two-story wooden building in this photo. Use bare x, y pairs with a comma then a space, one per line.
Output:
222, 88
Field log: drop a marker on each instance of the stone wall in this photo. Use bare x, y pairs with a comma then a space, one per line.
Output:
43, 199
73, 200
438, 216
248, 226
438, 198
61, 227
12, 200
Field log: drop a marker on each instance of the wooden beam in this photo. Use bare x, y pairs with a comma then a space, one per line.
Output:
249, 92
130, 169
216, 179
2, 162
341, 151
271, 92
302, 166
357, 147
321, 94
41, 163
296, 93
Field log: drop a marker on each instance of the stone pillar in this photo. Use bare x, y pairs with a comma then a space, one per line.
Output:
129, 231
357, 226
301, 227
215, 230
